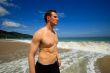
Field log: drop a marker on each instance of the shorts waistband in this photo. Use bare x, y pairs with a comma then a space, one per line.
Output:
46, 64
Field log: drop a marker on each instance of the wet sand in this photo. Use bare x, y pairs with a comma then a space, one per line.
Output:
11, 50
104, 64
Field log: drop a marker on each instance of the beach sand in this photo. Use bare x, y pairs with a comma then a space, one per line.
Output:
11, 50
104, 64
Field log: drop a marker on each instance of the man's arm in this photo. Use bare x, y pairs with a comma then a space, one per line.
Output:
32, 51
58, 58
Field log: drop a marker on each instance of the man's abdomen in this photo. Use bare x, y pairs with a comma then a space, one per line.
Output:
47, 57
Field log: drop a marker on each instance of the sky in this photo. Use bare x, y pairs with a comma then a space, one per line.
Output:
77, 18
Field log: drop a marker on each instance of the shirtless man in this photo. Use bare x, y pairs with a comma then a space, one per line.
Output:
45, 43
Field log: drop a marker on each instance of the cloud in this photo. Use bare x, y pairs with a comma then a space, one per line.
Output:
41, 12
3, 11
61, 15
12, 24
2, 1
56, 29
6, 3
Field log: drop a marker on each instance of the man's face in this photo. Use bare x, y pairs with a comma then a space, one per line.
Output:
53, 18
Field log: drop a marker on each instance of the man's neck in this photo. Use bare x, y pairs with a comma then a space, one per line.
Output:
49, 26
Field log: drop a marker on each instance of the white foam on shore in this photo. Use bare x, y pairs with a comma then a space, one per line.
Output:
100, 47
76, 57
68, 59
91, 62
19, 40
17, 66
91, 51
25, 41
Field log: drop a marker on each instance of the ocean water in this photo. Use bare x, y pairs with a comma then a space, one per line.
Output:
81, 59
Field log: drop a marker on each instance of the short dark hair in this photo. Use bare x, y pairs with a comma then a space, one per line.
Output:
48, 13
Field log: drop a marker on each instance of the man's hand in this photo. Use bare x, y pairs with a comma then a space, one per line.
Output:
59, 62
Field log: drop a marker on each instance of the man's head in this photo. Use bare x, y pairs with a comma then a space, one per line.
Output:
51, 17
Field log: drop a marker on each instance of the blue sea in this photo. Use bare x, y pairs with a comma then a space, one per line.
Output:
82, 57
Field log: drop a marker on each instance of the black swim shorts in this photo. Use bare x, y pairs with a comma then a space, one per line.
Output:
51, 68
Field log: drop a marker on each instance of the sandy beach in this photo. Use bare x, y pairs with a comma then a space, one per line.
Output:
10, 50
104, 64
13, 50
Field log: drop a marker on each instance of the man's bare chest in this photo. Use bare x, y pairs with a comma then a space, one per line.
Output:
49, 39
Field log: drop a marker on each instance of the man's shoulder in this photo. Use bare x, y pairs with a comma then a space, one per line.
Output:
39, 31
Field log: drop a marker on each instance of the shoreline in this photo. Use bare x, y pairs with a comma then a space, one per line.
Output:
11, 50
16, 40
103, 64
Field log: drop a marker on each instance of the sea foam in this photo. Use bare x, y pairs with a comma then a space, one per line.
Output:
83, 53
